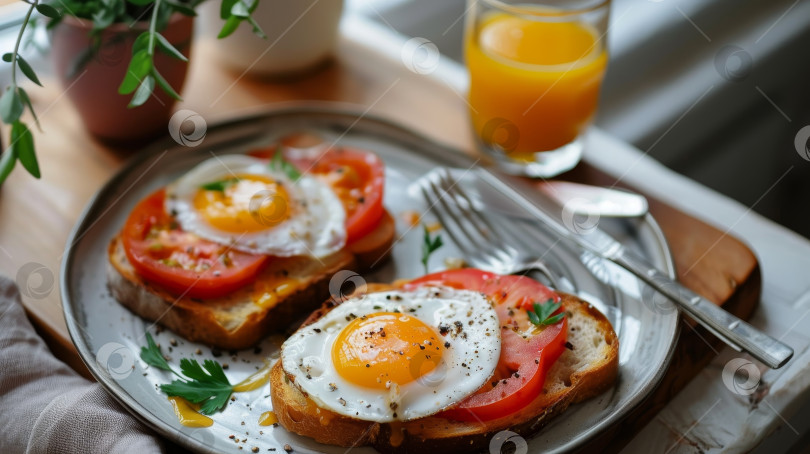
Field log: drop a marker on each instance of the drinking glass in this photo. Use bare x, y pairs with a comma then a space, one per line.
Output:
535, 67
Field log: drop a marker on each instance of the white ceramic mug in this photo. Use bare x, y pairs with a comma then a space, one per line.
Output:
300, 34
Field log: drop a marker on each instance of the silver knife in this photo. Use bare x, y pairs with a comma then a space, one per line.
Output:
735, 332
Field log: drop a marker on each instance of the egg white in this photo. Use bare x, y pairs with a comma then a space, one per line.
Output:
469, 362
316, 226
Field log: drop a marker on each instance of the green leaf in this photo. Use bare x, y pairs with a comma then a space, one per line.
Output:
168, 48
165, 85
231, 24
541, 315
534, 318
182, 9
240, 9
257, 29
48, 11
141, 2
7, 57
225, 8
27, 70
23, 143
143, 92
220, 185
7, 161
161, 21
207, 385
429, 246
103, 18
280, 164
140, 43
11, 106
152, 355
27, 101
139, 68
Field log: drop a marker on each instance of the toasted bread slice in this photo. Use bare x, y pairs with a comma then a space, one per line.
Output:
285, 290
586, 368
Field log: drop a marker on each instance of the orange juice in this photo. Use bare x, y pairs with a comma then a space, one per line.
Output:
543, 77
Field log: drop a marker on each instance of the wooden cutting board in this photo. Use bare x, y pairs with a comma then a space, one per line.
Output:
38, 215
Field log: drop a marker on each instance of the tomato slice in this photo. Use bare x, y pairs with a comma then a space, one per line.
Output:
526, 352
182, 262
356, 176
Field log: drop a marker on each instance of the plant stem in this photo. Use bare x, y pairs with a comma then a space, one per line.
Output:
17, 44
155, 8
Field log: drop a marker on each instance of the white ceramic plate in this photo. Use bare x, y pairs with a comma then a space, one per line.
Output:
109, 337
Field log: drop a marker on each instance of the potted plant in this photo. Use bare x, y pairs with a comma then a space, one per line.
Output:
115, 56
304, 34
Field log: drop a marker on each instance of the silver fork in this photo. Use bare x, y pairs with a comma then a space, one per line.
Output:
484, 246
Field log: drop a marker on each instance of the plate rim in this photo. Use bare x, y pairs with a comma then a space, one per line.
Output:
452, 156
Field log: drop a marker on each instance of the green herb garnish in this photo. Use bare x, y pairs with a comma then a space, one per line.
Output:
206, 385
279, 163
541, 316
152, 355
429, 246
220, 185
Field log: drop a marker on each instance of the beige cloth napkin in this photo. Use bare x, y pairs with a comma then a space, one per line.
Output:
46, 407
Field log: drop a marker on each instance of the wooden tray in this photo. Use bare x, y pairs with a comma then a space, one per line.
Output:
709, 261
74, 165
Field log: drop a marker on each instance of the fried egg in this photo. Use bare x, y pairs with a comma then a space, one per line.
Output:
397, 355
240, 201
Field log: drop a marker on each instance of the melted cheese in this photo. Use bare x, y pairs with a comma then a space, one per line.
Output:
268, 418
187, 413
255, 381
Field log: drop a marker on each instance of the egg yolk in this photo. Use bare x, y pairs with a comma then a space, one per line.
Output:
378, 350
246, 203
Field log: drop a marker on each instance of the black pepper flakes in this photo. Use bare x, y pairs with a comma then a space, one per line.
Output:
288, 448
569, 345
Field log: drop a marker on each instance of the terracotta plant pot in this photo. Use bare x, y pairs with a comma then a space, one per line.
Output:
92, 81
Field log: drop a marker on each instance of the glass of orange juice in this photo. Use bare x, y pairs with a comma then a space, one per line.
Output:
535, 71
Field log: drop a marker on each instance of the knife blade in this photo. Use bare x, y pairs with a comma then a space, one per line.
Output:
733, 331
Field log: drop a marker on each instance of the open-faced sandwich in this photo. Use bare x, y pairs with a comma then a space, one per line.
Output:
242, 245
441, 363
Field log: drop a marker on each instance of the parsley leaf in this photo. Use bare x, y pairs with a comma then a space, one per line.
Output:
207, 385
542, 313
429, 246
152, 356
220, 185
279, 163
